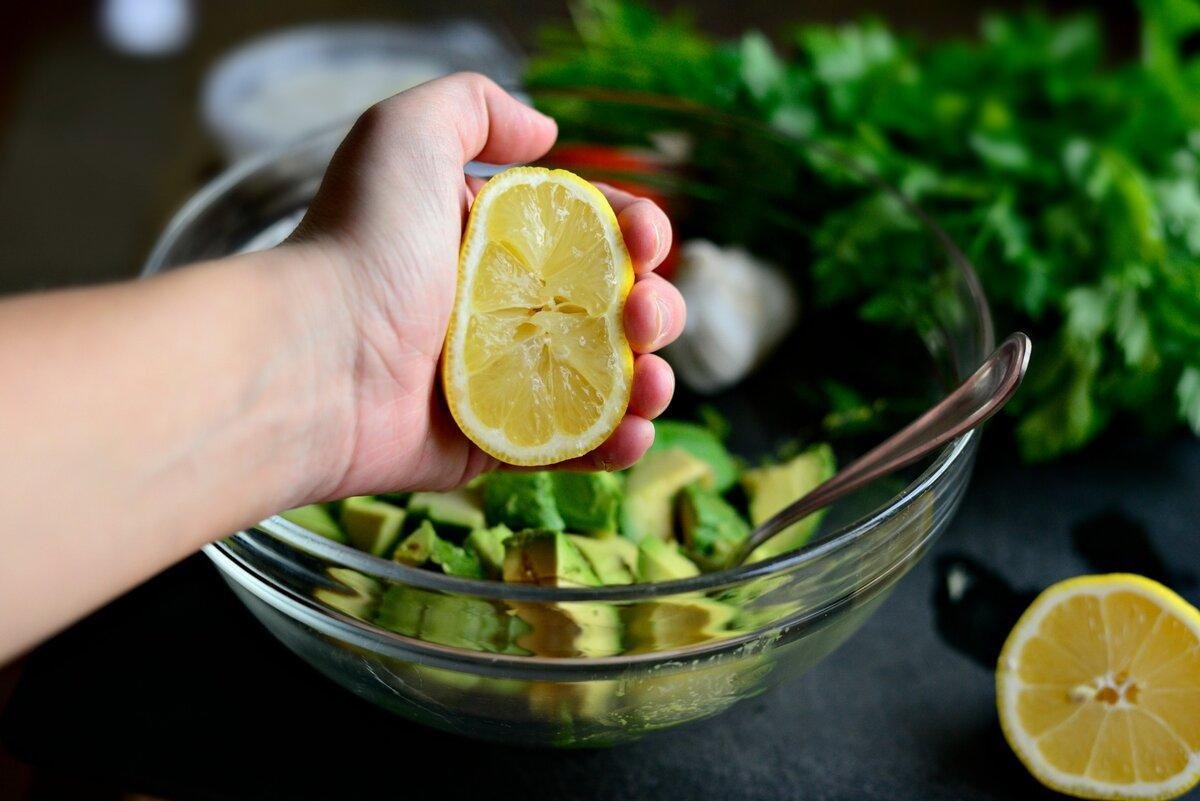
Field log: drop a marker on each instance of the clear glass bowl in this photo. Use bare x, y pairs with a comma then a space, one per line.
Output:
585, 667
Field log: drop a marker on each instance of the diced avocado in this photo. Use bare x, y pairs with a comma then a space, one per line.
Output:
460, 508
317, 519
710, 528
372, 526
548, 559
650, 491
488, 545
416, 548
587, 502
424, 545
356, 594
701, 443
522, 500
576, 628
662, 561
569, 628
562, 702
455, 560
675, 622
774, 487
454, 620
614, 558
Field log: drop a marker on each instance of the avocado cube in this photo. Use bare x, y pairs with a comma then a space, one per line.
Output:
701, 443
650, 491
371, 525
548, 559
521, 501
570, 628
712, 530
356, 594
317, 519
675, 622
662, 561
488, 545
424, 545
772, 488
455, 560
456, 620
416, 548
588, 502
458, 508
614, 558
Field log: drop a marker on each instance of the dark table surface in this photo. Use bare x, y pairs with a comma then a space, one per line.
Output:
176, 690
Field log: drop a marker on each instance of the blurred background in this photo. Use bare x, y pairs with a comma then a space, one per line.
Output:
113, 113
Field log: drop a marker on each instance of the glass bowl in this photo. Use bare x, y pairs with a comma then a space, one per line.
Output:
589, 667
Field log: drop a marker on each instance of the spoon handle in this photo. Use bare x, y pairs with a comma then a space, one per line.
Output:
974, 401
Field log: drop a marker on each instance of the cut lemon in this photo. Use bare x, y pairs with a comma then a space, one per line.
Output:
536, 366
1098, 689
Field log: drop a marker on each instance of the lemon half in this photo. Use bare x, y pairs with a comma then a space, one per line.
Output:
1098, 689
536, 367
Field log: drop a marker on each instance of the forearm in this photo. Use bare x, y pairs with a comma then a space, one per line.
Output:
141, 420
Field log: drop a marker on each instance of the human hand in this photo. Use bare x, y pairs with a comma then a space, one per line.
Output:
387, 223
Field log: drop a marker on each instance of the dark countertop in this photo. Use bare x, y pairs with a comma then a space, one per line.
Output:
176, 690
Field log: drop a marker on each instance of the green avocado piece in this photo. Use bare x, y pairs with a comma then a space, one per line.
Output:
459, 508
317, 519
587, 502
548, 559
356, 595
456, 620
614, 558
675, 622
663, 561
711, 529
424, 545
488, 545
522, 500
772, 488
569, 628
650, 491
417, 547
371, 525
701, 443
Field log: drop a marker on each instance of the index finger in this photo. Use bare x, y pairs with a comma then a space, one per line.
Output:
644, 226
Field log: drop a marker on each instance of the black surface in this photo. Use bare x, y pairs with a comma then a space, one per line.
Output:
175, 689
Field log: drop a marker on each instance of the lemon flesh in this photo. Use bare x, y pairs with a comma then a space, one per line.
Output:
536, 367
1098, 689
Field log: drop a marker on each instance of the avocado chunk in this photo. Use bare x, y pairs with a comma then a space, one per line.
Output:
372, 526
701, 443
317, 519
522, 500
587, 502
650, 491
662, 561
488, 545
614, 558
712, 530
459, 508
424, 545
548, 559
356, 594
774, 487
676, 622
456, 620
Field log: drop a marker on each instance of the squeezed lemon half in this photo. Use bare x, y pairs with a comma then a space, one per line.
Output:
1098, 689
536, 368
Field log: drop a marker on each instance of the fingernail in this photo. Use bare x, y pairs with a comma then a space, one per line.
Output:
662, 319
658, 243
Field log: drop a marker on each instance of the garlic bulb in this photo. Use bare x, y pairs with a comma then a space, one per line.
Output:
738, 309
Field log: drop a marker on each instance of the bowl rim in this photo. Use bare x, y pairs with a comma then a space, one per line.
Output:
955, 454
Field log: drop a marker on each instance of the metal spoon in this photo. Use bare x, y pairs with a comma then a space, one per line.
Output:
975, 400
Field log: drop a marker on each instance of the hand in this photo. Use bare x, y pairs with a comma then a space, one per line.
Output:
388, 220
